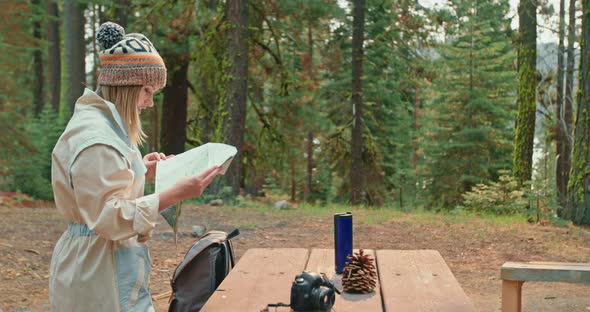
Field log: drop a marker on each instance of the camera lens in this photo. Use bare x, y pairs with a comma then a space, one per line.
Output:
326, 298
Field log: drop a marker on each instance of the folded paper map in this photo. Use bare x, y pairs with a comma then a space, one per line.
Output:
190, 163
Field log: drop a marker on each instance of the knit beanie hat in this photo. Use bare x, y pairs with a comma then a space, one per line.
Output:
128, 59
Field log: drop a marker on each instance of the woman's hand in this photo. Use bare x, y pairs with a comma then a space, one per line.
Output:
150, 160
188, 187
194, 186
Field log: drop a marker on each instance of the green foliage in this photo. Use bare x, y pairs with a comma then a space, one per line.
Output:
218, 190
29, 167
17, 43
467, 129
502, 198
209, 56
438, 90
544, 203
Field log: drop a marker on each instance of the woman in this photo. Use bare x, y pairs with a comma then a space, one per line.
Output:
101, 262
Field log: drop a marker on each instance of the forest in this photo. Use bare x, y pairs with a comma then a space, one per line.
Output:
401, 104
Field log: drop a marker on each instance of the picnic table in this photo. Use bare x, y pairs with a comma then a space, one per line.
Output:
409, 280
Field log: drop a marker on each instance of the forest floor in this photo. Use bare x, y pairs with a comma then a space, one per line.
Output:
474, 247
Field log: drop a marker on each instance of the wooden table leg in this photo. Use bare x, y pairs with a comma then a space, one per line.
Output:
511, 296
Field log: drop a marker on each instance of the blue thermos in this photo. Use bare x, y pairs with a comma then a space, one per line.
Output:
342, 239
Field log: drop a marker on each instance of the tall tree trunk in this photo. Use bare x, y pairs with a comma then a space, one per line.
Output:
39, 77
578, 188
311, 86
416, 128
54, 57
566, 156
73, 71
525, 122
237, 85
356, 168
309, 171
174, 110
561, 128
470, 124
293, 181
121, 12
257, 174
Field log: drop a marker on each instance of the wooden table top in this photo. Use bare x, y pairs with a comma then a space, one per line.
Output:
409, 280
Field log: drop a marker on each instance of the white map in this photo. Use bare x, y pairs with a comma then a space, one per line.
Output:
189, 163
193, 162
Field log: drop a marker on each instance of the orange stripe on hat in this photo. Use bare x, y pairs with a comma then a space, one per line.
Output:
131, 62
137, 55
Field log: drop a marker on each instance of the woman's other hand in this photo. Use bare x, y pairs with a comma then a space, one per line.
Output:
188, 187
150, 161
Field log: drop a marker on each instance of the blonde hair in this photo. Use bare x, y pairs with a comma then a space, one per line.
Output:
125, 99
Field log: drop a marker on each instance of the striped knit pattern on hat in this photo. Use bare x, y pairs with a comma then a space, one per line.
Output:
133, 60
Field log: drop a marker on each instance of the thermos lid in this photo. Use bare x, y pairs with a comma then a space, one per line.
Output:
343, 215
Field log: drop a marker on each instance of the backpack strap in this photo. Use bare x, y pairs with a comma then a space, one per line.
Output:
230, 246
233, 234
231, 257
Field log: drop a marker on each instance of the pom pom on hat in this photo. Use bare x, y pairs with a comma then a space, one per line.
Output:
109, 34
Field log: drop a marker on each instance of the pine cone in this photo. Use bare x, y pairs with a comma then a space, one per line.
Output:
359, 275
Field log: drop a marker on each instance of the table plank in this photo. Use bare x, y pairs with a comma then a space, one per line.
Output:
419, 280
261, 277
322, 261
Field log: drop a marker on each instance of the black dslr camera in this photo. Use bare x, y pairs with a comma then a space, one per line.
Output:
311, 291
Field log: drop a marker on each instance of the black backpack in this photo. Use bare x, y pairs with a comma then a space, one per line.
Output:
201, 271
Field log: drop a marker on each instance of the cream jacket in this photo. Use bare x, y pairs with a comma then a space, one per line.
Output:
99, 264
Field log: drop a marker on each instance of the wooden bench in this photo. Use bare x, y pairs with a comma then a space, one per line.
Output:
409, 280
514, 274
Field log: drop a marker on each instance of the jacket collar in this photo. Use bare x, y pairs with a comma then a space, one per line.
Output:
90, 98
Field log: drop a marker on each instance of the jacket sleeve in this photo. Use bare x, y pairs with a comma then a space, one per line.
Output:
104, 189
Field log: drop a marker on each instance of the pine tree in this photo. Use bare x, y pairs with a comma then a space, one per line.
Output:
356, 169
468, 135
392, 117
391, 62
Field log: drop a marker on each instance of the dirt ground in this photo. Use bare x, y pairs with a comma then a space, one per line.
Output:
473, 247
